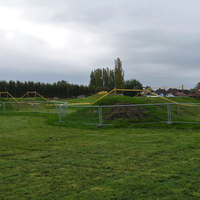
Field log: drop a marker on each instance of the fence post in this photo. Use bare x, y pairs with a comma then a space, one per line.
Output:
100, 116
169, 114
4, 107
35, 108
56, 107
60, 114
47, 106
66, 106
178, 110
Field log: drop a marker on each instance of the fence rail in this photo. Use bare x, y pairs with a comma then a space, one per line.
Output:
136, 113
30, 106
110, 114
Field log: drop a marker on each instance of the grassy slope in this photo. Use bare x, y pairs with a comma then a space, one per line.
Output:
21, 99
186, 114
110, 100
181, 113
89, 99
40, 161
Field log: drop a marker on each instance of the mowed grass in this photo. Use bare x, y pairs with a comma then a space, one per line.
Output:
42, 161
85, 100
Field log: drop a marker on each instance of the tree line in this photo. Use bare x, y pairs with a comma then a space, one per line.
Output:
61, 89
100, 80
108, 78
114, 78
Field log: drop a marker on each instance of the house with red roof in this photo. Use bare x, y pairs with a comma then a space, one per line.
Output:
196, 94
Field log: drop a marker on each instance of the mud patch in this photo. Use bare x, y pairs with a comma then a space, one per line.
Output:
126, 112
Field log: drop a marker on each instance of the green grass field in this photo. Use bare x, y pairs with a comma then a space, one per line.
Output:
43, 159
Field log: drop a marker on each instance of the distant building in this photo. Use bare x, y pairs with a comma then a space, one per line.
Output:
81, 96
180, 94
174, 91
196, 93
161, 92
171, 92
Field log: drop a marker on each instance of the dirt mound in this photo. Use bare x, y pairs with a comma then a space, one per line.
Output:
126, 112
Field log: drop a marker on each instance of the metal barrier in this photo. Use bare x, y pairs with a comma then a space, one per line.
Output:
30, 106
137, 113
110, 114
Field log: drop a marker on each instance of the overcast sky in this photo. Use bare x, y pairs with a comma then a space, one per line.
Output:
158, 41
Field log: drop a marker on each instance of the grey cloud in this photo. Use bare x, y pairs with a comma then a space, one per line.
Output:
157, 41
160, 47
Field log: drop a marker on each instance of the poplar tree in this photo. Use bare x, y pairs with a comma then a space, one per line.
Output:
111, 79
106, 78
92, 79
98, 78
119, 74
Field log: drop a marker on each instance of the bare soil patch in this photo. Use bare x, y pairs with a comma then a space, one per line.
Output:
126, 112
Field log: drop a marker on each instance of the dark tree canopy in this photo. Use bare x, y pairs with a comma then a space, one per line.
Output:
102, 78
132, 84
108, 78
61, 89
